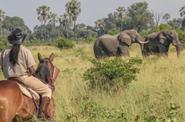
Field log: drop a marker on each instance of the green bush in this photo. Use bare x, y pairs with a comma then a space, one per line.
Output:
144, 33
165, 27
92, 111
91, 39
64, 43
112, 73
3, 43
161, 27
113, 31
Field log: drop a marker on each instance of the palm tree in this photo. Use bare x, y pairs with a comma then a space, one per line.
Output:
65, 23
2, 17
43, 14
53, 18
73, 9
121, 12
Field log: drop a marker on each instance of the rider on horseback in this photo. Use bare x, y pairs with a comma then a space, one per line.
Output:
18, 62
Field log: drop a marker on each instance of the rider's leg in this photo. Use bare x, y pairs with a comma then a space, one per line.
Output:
41, 89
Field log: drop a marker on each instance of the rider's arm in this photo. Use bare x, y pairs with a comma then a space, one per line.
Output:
31, 70
31, 65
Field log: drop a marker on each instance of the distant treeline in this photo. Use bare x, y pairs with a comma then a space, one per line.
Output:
137, 16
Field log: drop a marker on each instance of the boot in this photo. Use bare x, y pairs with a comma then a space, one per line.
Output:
43, 107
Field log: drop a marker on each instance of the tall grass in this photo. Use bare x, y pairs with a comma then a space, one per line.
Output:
158, 94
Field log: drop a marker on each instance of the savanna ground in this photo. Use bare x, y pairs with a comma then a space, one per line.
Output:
158, 95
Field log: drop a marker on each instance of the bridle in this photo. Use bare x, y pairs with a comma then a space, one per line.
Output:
53, 72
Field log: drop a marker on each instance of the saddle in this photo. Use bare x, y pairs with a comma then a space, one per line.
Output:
26, 90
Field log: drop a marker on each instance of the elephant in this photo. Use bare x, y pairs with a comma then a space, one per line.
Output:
118, 45
158, 43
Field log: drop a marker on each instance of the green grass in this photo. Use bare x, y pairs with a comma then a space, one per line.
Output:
157, 95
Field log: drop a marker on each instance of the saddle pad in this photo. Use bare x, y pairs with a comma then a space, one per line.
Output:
26, 92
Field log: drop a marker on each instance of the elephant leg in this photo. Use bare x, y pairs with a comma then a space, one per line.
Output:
145, 51
107, 52
163, 50
123, 50
150, 50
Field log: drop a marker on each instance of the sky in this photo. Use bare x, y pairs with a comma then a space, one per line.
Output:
91, 9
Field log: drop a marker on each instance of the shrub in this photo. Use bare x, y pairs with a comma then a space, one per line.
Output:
91, 39
144, 33
92, 111
112, 74
165, 27
113, 32
162, 27
64, 43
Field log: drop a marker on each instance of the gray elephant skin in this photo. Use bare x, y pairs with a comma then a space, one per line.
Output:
158, 43
118, 45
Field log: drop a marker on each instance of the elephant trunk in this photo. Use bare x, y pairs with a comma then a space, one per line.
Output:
178, 50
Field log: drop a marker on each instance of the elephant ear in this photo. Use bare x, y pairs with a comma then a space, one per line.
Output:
161, 37
124, 38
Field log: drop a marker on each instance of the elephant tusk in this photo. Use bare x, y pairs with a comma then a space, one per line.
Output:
143, 42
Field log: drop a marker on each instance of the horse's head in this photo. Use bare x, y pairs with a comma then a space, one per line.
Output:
46, 71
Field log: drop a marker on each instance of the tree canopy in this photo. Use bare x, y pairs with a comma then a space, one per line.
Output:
136, 16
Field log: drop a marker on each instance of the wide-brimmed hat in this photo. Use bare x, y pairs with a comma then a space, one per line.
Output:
17, 36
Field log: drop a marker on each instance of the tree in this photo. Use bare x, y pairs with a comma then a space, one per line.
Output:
157, 19
84, 31
176, 23
73, 9
46, 32
53, 19
182, 14
120, 16
10, 23
100, 25
2, 17
182, 11
43, 14
121, 12
166, 17
65, 24
140, 16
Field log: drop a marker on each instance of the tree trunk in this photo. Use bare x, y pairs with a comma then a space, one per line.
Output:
74, 30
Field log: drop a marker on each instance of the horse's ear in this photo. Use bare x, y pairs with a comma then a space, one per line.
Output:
51, 57
39, 57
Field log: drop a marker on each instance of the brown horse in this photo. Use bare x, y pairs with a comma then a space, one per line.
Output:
14, 104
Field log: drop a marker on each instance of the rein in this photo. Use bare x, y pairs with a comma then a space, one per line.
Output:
53, 73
